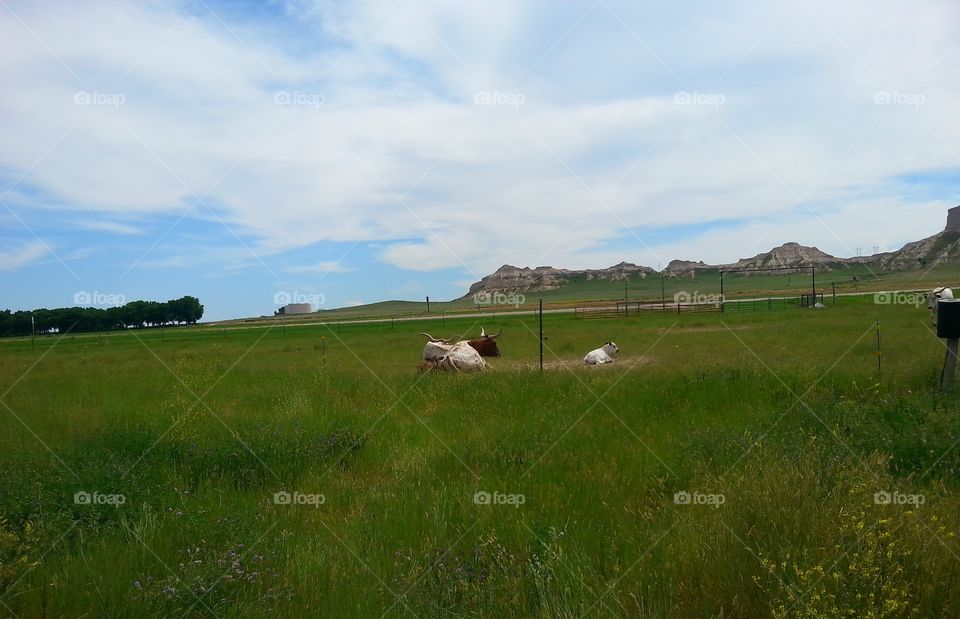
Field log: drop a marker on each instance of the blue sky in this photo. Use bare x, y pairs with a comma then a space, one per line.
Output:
360, 151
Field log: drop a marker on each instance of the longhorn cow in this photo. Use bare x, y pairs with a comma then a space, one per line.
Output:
462, 355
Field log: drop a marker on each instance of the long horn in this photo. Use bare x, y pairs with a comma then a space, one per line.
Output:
482, 332
437, 339
499, 333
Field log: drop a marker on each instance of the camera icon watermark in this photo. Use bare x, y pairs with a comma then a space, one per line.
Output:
302, 99
95, 498
486, 97
689, 298
898, 498
298, 498
287, 297
113, 99
915, 299
698, 498
83, 298
511, 299
482, 497
885, 97
713, 99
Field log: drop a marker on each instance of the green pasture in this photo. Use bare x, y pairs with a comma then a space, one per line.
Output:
853, 280
727, 465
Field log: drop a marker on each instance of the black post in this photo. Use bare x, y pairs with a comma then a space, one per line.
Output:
813, 273
663, 297
879, 354
428, 305
723, 299
541, 335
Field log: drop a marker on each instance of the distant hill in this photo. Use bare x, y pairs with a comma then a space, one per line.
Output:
941, 248
515, 279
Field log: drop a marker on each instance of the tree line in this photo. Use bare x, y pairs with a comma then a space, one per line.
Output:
138, 314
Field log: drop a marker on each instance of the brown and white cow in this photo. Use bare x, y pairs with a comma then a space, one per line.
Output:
462, 355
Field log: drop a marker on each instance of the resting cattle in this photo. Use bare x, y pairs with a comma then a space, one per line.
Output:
486, 345
602, 355
463, 355
934, 296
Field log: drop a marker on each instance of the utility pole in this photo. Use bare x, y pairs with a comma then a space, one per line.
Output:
663, 298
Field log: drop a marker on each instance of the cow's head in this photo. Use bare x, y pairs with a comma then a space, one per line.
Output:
486, 345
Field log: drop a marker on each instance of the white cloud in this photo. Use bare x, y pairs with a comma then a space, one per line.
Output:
114, 227
321, 267
398, 152
21, 256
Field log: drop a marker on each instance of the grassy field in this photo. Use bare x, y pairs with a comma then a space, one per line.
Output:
707, 282
724, 466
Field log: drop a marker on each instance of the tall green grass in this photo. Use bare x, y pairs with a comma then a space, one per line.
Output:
782, 414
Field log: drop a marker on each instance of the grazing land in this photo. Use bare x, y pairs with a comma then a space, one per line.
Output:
737, 465
581, 292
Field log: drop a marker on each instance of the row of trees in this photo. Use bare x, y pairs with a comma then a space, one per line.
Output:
134, 314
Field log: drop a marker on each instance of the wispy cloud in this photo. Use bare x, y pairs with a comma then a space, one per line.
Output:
25, 254
321, 267
103, 225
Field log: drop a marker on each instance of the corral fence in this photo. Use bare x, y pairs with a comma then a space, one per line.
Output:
636, 308
639, 308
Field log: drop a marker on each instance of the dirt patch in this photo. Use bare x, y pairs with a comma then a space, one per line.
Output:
622, 362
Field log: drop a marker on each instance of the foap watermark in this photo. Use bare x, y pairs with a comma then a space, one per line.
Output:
286, 297
684, 297
304, 99
298, 498
885, 97
482, 497
898, 498
714, 99
698, 498
83, 298
916, 299
487, 97
512, 299
113, 99
96, 498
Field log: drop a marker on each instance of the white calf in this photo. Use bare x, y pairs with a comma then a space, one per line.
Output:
934, 296
602, 355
